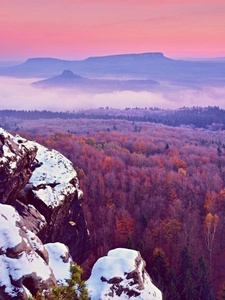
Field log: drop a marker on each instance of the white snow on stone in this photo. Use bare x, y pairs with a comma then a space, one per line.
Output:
34, 240
56, 168
52, 179
8, 154
57, 254
123, 253
9, 233
26, 261
117, 265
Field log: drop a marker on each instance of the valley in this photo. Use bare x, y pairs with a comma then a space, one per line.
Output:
146, 186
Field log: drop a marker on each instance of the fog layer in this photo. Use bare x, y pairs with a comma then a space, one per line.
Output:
19, 94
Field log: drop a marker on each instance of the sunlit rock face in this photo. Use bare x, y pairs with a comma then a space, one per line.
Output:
121, 275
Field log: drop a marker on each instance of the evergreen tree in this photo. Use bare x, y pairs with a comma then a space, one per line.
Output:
204, 289
186, 261
188, 291
187, 286
160, 269
75, 290
171, 290
129, 243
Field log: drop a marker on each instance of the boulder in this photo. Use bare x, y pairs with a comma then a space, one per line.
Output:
23, 258
121, 275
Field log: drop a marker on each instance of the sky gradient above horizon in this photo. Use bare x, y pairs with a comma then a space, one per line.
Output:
76, 29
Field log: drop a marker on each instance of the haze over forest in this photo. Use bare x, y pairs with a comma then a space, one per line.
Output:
80, 29
119, 81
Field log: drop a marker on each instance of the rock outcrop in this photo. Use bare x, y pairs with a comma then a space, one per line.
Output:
54, 190
121, 275
16, 165
23, 258
43, 186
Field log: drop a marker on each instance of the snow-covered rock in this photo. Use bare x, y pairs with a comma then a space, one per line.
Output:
54, 178
60, 261
16, 165
121, 275
43, 186
55, 191
23, 258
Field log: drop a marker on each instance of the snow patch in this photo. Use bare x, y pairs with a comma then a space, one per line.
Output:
112, 278
59, 261
55, 178
17, 256
12, 154
9, 232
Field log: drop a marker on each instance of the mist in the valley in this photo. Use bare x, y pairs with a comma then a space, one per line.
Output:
19, 94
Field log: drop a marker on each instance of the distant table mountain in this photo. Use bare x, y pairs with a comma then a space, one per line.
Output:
151, 66
69, 79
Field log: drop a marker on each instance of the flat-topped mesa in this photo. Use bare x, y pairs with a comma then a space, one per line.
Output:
133, 56
48, 60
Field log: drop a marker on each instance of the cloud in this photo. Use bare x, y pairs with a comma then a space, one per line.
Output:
19, 94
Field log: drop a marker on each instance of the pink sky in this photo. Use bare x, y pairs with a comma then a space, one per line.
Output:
74, 29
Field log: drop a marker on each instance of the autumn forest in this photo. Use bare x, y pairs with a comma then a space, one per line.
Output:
155, 188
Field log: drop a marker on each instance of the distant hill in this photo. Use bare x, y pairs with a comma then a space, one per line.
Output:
4, 64
69, 79
152, 66
93, 66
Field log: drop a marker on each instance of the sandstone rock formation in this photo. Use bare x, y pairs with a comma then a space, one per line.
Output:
54, 190
43, 186
121, 275
23, 258
16, 165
